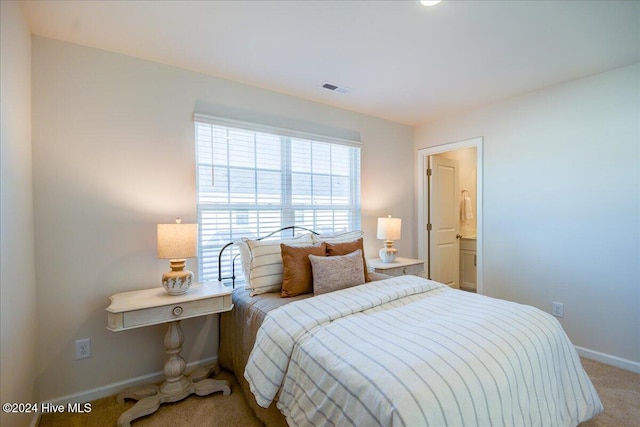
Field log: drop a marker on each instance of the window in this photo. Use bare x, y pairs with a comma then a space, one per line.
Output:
253, 181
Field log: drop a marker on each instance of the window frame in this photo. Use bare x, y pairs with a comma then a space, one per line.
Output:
286, 207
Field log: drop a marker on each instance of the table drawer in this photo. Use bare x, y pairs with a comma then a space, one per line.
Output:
167, 313
415, 269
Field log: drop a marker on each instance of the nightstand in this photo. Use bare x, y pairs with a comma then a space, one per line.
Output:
399, 267
137, 309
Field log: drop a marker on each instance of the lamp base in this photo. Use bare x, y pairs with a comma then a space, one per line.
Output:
388, 254
178, 280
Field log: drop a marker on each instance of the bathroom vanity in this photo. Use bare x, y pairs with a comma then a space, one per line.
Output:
468, 263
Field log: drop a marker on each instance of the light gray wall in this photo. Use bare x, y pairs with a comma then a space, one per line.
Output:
113, 153
562, 203
17, 277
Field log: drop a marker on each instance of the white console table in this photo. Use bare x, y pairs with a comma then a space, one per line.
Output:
136, 309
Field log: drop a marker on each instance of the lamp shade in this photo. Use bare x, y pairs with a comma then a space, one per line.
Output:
177, 241
389, 228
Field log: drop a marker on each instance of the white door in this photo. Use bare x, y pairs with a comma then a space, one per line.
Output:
444, 221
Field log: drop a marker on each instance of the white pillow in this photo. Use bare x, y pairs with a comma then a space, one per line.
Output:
245, 258
262, 262
333, 273
347, 236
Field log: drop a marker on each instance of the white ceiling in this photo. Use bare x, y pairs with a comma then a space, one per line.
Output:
402, 61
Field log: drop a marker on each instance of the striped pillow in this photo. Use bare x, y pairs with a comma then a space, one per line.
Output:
265, 265
347, 236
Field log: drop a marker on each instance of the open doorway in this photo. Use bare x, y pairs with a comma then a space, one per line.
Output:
450, 229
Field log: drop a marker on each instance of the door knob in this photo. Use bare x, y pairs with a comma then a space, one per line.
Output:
458, 236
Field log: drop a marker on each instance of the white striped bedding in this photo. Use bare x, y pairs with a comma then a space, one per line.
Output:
411, 352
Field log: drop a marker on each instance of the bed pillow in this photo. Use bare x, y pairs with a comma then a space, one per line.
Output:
345, 236
297, 278
333, 273
265, 265
245, 258
347, 247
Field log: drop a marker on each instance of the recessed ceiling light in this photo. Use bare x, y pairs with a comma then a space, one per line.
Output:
429, 2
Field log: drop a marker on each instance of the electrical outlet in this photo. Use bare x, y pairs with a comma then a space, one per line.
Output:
557, 309
83, 348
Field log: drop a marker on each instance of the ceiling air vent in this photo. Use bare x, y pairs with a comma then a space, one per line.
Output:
335, 88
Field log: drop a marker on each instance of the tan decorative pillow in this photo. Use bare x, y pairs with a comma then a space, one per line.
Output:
297, 278
344, 248
333, 273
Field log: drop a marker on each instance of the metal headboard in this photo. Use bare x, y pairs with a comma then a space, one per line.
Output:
233, 261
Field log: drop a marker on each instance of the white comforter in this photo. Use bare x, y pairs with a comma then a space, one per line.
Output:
411, 352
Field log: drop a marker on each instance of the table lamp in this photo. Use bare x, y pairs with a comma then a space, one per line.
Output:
176, 242
389, 230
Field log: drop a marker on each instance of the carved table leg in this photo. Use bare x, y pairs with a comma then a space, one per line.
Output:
176, 386
205, 372
137, 393
145, 406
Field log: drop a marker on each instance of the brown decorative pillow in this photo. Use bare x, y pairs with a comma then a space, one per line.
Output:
297, 277
333, 273
344, 248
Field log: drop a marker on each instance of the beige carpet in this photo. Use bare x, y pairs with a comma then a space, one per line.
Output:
619, 391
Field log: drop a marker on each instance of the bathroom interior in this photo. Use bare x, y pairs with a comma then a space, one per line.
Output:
467, 160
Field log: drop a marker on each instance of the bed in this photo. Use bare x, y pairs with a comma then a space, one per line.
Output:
403, 351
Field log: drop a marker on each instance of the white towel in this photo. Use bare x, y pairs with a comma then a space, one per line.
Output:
467, 209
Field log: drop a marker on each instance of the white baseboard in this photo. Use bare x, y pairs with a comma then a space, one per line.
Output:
114, 388
608, 359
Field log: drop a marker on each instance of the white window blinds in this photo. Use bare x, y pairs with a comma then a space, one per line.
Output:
254, 181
